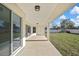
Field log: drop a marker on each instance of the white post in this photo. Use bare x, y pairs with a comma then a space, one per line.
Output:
23, 31
31, 30
48, 31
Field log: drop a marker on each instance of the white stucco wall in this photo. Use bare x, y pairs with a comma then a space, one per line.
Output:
40, 30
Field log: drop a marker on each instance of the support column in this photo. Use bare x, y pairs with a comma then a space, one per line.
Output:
31, 30
48, 31
23, 31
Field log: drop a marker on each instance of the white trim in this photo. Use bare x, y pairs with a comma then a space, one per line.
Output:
19, 49
16, 51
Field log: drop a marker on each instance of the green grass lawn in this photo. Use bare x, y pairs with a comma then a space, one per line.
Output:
67, 44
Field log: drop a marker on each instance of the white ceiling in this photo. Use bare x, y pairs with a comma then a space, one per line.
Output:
46, 11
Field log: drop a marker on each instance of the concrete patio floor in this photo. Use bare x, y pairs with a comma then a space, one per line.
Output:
35, 38
38, 48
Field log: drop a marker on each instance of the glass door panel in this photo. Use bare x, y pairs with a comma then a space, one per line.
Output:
5, 31
16, 31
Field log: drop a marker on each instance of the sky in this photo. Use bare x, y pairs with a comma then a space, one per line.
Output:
72, 14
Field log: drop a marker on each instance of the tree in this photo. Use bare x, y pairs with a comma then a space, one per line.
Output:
55, 26
70, 25
67, 24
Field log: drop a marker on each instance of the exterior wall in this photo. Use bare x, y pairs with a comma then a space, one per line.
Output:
40, 30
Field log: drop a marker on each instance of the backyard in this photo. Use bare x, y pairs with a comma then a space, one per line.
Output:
66, 43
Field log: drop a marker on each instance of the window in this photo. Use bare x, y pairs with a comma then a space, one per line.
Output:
5, 31
16, 31
34, 29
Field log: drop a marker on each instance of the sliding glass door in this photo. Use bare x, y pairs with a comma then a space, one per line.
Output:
10, 31
5, 31
16, 31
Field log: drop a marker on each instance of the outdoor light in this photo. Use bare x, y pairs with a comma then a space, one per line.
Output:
37, 8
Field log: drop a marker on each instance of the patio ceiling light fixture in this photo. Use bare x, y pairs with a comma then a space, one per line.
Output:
37, 8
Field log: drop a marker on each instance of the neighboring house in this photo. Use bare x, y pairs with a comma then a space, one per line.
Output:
73, 30
55, 30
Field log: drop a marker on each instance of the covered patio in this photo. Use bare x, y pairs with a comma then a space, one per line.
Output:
38, 16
